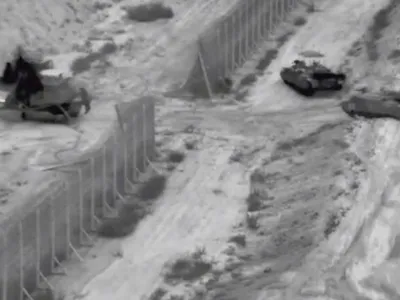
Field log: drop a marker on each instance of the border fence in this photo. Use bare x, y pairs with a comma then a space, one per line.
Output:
229, 43
51, 232
33, 247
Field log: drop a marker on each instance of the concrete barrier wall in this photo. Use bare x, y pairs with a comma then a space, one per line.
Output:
50, 231
232, 40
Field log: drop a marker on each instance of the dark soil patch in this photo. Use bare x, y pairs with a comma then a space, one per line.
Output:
149, 12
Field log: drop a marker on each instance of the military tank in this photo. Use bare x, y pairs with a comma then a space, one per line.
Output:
307, 79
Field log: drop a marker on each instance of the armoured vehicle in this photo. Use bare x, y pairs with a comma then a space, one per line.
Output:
35, 86
371, 106
307, 79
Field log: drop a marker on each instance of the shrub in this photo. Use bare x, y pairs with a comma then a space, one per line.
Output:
331, 224
149, 12
152, 188
176, 156
158, 294
248, 79
252, 221
300, 21
239, 239
83, 63
188, 269
108, 48
254, 202
124, 224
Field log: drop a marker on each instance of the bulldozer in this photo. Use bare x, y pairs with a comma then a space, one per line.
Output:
32, 85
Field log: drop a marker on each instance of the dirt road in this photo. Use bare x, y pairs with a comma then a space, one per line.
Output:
278, 170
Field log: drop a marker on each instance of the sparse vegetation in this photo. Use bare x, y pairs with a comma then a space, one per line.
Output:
123, 224
101, 5
311, 53
190, 267
176, 297
149, 12
190, 145
241, 95
252, 221
380, 22
269, 56
311, 7
248, 79
395, 54
83, 63
331, 225
254, 202
300, 21
176, 157
152, 188
236, 156
223, 86
238, 239
108, 48
158, 294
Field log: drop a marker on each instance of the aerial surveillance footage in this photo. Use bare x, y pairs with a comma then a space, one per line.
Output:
199, 150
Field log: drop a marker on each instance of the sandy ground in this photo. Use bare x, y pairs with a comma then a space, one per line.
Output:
303, 150
143, 48
269, 180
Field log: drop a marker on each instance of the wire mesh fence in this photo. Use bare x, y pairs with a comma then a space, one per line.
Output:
228, 44
35, 246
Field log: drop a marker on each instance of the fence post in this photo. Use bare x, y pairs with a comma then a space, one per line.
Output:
246, 30
217, 56
23, 291
4, 265
271, 16
264, 19
240, 12
69, 245
104, 180
93, 217
38, 246
53, 234
257, 13
144, 136
39, 275
227, 57
81, 213
204, 70
134, 149
233, 41
116, 193
115, 166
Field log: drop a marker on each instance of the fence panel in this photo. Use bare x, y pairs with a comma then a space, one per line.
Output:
232, 40
32, 247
